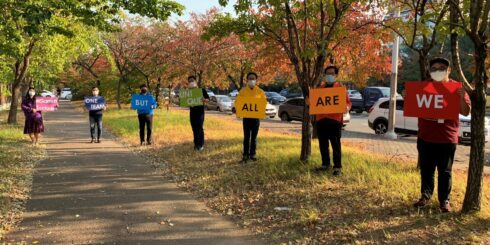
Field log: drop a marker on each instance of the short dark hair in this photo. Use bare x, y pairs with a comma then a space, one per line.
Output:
191, 76
332, 67
440, 60
252, 73
95, 87
143, 86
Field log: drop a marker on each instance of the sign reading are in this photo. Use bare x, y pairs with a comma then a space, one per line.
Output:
328, 100
249, 107
142, 102
46, 103
191, 97
434, 100
94, 103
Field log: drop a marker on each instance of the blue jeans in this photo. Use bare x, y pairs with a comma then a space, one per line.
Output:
95, 121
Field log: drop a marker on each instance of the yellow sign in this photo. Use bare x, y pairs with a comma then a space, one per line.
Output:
328, 100
249, 107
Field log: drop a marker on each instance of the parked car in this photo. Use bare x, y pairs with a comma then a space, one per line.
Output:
210, 93
369, 97
233, 93
270, 110
46, 93
378, 121
354, 94
291, 93
275, 98
66, 93
221, 103
292, 110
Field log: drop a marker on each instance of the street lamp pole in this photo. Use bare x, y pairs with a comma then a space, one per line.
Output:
393, 84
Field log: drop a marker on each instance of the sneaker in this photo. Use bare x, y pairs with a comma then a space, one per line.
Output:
337, 172
142, 143
322, 169
148, 143
98, 141
244, 159
254, 158
422, 202
200, 148
445, 207
92, 141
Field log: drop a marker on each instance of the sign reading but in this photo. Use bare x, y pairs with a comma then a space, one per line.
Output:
94, 103
434, 100
191, 97
142, 102
249, 107
46, 103
328, 100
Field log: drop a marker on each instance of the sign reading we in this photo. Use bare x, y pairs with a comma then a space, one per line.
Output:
435, 100
191, 97
249, 107
328, 100
94, 103
142, 102
46, 103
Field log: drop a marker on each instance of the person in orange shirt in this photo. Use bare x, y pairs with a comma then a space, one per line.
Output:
329, 128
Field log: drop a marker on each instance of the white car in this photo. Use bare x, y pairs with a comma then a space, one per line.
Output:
378, 121
354, 94
66, 93
233, 93
270, 110
48, 94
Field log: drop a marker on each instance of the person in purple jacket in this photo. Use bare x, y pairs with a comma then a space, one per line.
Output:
34, 118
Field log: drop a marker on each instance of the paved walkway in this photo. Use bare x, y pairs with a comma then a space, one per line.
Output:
102, 193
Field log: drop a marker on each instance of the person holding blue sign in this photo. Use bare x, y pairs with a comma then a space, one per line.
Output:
197, 116
144, 103
95, 106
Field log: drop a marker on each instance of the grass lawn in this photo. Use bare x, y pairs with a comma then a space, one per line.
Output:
370, 203
17, 160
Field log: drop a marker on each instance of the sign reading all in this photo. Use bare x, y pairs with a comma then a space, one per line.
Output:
46, 103
191, 97
142, 102
249, 107
328, 100
434, 100
94, 103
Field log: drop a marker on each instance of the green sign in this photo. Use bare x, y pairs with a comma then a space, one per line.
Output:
190, 97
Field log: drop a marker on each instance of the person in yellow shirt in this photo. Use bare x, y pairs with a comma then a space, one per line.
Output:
251, 125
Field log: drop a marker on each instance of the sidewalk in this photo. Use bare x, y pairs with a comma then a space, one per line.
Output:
102, 193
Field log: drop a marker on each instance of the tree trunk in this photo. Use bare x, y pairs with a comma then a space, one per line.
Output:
472, 199
423, 66
14, 104
306, 135
118, 96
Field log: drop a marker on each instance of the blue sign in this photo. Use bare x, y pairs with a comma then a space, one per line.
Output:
94, 103
142, 102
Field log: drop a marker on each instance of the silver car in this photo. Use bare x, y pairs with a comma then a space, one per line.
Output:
221, 103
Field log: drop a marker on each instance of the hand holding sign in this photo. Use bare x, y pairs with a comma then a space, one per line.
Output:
434, 100
328, 100
248, 107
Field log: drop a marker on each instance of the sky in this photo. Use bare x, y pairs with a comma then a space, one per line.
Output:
200, 6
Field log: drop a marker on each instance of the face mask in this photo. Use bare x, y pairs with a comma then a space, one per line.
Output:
330, 78
95, 93
143, 91
438, 76
32, 93
193, 85
251, 83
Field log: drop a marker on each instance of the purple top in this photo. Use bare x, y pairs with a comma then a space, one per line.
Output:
27, 106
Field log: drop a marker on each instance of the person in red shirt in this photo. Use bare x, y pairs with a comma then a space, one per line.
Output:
436, 143
329, 128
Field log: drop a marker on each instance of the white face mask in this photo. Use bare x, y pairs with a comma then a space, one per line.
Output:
193, 85
251, 83
32, 93
438, 76
330, 78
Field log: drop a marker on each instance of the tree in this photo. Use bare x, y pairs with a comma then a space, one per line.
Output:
305, 31
472, 19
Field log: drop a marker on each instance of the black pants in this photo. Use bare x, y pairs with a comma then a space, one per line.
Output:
95, 121
250, 131
145, 120
432, 156
197, 122
330, 131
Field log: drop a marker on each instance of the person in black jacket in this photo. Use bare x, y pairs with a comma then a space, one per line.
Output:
197, 116
95, 117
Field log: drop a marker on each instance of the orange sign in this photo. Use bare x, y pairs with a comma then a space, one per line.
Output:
328, 100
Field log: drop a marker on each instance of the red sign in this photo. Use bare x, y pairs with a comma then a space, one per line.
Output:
434, 100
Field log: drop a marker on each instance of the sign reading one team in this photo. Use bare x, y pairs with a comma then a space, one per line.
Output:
434, 100
142, 102
250, 107
46, 103
328, 100
94, 103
